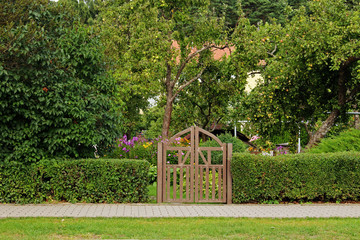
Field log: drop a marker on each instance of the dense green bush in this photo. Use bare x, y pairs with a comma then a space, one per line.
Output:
216, 157
85, 180
345, 141
56, 98
300, 177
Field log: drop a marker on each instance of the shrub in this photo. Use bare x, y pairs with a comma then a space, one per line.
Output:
56, 98
345, 141
300, 177
85, 180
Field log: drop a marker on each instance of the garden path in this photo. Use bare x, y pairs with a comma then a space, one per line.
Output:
181, 210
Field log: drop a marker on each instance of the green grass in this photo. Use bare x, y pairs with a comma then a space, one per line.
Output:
178, 228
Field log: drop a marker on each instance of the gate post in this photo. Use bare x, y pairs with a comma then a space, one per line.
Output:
160, 167
228, 174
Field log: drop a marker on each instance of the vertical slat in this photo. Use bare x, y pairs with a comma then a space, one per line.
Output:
220, 182
181, 188
201, 176
213, 183
224, 172
168, 183
229, 177
160, 166
187, 183
196, 174
174, 182
164, 146
207, 183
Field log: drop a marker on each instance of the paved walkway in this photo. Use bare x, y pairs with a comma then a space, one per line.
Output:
181, 210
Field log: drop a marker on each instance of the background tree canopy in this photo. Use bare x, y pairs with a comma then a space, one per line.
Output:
310, 68
78, 73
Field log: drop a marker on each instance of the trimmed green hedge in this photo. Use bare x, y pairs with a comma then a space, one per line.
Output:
86, 180
301, 177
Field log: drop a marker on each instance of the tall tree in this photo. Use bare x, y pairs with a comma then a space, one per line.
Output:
161, 47
208, 101
310, 67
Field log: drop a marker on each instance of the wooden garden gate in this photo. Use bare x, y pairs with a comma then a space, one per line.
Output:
188, 172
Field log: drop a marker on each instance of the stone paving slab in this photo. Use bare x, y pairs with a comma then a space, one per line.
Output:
181, 210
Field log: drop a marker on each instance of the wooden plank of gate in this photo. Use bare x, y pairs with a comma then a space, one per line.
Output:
220, 183
224, 172
207, 184
213, 183
164, 168
174, 182
181, 188
196, 174
187, 183
168, 183
229, 178
159, 194
201, 174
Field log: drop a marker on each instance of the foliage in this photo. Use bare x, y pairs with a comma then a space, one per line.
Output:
55, 96
216, 156
86, 180
228, 9
152, 174
345, 141
207, 102
85, 10
258, 11
310, 66
160, 48
296, 177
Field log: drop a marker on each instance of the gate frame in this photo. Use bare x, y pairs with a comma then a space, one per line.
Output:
161, 164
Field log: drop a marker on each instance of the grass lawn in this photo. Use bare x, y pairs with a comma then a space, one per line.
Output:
178, 228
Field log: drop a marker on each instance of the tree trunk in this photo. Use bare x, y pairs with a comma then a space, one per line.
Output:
357, 122
167, 117
330, 121
324, 129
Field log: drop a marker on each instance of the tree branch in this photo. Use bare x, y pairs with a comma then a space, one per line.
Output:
187, 84
216, 123
353, 93
192, 55
273, 51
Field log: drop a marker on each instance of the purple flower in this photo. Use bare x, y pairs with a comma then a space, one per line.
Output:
120, 155
135, 139
124, 149
169, 155
136, 156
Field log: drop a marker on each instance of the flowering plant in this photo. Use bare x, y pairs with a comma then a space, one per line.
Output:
262, 145
139, 147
